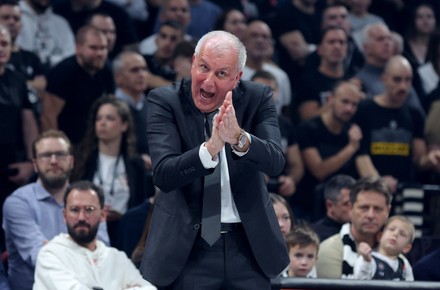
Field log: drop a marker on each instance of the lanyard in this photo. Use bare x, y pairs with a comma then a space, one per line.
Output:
115, 168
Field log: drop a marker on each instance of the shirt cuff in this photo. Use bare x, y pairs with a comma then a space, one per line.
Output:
205, 157
240, 154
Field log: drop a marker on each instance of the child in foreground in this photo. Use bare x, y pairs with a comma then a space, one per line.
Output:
303, 245
388, 262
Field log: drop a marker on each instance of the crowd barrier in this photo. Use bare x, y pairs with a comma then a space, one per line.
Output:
340, 284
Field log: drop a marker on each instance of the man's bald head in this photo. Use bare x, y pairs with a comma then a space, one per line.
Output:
397, 80
397, 62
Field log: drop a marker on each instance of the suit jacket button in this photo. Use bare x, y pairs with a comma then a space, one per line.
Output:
196, 226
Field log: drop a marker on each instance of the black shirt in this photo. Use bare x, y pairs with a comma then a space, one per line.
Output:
70, 82
13, 100
27, 63
315, 86
387, 137
314, 134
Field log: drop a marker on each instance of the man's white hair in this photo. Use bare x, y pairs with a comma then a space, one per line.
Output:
224, 41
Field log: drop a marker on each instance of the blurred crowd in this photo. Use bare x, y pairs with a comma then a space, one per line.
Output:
355, 84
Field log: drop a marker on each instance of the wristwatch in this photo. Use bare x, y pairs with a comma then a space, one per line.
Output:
241, 141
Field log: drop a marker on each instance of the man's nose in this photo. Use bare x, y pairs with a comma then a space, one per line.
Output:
209, 78
82, 215
370, 212
53, 158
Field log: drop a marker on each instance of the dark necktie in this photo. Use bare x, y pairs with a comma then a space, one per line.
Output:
211, 197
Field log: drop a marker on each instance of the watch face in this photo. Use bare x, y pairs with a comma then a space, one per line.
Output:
242, 140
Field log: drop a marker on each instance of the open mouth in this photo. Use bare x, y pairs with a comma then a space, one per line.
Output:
206, 95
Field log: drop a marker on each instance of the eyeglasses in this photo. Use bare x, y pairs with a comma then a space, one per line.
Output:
47, 156
88, 210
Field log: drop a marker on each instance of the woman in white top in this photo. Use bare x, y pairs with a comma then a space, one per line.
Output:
107, 156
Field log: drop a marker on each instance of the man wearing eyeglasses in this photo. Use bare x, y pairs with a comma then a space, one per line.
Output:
77, 259
33, 214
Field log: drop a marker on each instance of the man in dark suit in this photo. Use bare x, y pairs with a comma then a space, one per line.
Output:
245, 145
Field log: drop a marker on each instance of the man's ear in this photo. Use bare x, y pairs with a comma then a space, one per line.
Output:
329, 205
237, 79
64, 215
34, 164
104, 214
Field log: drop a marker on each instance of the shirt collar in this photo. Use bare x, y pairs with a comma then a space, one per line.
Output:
120, 94
42, 193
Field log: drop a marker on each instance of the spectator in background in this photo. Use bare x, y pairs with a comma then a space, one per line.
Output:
182, 59
109, 159
316, 84
360, 17
18, 126
371, 203
329, 145
203, 16
248, 8
388, 261
422, 25
283, 212
77, 12
130, 73
45, 33
259, 45
22, 61
336, 15
397, 42
33, 213
296, 30
337, 204
393, 144
378, 49
160, 62
75, 83
430, 71
104, 23
78, 259
171, 10
285, 183
298, 20
136, 9
303, 245
233, 21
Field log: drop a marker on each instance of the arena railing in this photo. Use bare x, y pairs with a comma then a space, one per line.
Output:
342, 284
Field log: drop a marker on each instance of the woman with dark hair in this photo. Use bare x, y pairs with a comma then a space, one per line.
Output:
233, 21
107, 156
422, 24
